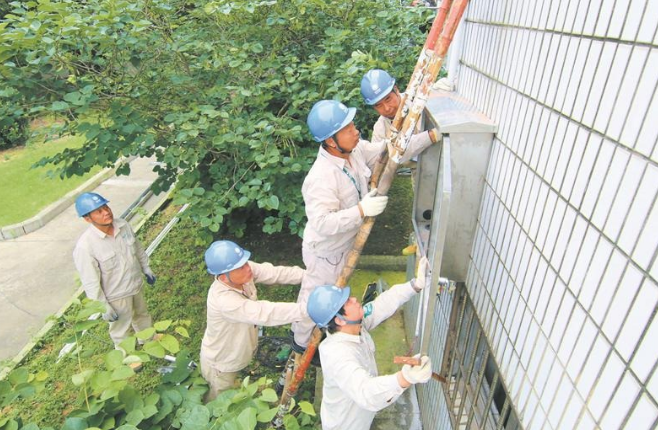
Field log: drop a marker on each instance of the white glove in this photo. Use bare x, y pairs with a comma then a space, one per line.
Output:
444, 84
421, 274
110, 314
418, 374
373, 205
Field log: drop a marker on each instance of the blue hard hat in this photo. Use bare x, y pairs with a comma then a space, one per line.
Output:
89, 202
327, 117
325, 302
223, 256
375, 85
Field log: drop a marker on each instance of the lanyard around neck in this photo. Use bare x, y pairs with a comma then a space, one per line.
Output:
358, 188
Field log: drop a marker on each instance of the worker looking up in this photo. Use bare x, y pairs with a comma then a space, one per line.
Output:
352, 391
110, 261
234, 311
379, 91
336, 198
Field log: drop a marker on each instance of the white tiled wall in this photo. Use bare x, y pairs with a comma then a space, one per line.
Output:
564, 267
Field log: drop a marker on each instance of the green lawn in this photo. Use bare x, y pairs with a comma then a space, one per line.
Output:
25, 191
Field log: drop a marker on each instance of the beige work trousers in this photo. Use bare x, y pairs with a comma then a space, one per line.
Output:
320, 270
132, 312
217, 381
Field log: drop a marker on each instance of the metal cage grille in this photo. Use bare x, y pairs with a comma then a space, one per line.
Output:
476, 396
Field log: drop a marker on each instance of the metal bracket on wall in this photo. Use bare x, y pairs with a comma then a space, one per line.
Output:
446, 285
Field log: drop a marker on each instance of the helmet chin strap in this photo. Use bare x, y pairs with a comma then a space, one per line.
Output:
338, 147
399, 96
230, 281
348, 322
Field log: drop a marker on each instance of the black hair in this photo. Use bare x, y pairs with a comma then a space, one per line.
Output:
337, 147
332, 327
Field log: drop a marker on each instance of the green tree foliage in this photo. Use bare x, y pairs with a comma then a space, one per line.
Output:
4, 7
218, 91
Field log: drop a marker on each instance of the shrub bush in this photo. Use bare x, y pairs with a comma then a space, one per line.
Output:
13, 132
218, 91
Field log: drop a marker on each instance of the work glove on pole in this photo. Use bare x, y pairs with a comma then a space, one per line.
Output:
110, 314
372, 204
421, 274
418, 374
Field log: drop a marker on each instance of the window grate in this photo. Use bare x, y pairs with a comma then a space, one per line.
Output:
476, 396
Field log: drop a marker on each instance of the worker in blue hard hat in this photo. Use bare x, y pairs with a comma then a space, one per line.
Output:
379, 91
234, 311
352, 390
111, 261
336, 198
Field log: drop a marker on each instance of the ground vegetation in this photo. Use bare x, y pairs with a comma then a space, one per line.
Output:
73, 391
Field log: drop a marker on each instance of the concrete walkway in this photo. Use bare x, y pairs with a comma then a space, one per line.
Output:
37, 275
